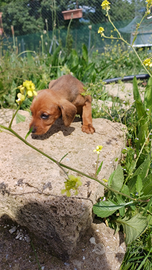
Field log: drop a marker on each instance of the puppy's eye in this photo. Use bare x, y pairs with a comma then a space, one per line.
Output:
44, 116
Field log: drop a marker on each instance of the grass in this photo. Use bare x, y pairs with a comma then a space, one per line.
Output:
92, 69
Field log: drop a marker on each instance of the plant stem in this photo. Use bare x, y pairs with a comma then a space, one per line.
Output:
10, 125
97, 165
131, 45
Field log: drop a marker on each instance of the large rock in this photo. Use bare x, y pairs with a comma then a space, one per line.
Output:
30, 184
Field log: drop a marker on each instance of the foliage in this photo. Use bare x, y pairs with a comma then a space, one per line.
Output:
23, 16
132, 211
29, 16
41, 68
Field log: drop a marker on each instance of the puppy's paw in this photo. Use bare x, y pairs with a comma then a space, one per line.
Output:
89, 129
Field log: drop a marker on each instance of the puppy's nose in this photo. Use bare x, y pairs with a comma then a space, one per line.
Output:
33, 129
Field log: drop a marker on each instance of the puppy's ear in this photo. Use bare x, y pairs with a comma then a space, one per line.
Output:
68, 112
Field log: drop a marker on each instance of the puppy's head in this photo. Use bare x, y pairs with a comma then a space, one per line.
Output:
46, 108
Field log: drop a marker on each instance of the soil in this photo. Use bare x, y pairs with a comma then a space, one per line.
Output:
20, 251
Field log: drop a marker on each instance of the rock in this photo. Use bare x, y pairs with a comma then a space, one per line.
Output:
12, 230
108, 250
30, 184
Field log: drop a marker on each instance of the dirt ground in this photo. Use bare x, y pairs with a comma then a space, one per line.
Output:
17, 253
20, 251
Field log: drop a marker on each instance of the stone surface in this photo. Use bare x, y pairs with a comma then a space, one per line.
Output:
30, 184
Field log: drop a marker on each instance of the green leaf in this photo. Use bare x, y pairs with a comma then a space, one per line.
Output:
133, 227
118, 178
148, 207
111, 178
20, 118
147, 185
148, 95
136, 93
149, 220
54, 60
134, 39
28, 133
85, 52
141, 116
63, 157
106, 208
121, 201
99, 168
139, 184
142, 171
73, 58
125, 190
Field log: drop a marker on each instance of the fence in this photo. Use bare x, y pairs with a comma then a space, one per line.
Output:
40, 26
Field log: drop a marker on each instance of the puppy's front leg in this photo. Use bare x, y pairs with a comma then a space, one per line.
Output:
87, 116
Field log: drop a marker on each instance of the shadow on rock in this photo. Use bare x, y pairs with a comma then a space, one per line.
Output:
57, 223
55, 128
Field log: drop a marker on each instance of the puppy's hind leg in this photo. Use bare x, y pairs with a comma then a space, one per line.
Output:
87, 116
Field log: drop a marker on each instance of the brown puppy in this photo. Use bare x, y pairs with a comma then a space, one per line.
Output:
62, 98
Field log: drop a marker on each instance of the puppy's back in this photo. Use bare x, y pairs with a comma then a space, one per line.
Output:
67, 86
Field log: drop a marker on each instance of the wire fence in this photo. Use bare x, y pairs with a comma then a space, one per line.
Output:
41, 25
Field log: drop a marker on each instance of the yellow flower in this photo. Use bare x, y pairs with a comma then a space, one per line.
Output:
105, 180
105, 5
21, 88
149, 5
71, 183
149, 2
98, 149
147, 62
20, 99
30, 88
100, 31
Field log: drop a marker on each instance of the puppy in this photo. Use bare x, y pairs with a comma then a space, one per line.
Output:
62, 98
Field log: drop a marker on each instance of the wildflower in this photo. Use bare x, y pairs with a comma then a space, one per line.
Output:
20, 99
147, 62
71, 183
105, 5
100, 31
149, 3
98, 149
30, 88
105, 180
21, 88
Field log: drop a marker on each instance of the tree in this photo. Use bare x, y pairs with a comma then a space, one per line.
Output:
30, 16
24, 15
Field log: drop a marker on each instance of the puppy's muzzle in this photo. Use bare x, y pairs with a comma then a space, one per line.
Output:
33, 129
